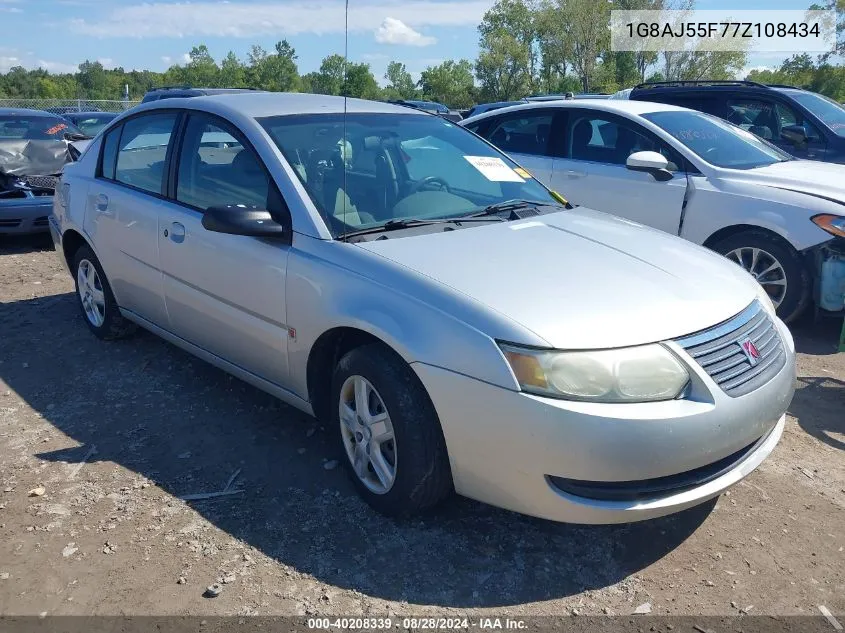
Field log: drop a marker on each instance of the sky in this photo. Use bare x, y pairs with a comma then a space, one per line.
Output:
153, 34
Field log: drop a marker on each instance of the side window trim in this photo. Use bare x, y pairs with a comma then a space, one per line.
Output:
274, 192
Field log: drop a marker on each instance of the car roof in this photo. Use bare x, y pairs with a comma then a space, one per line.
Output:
27, 112
604, 105
262, 104
93, 113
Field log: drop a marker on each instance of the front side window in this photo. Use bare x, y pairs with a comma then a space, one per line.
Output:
526, 134
92, 124
142, 151
216, 169
827, 110
716, 141
376, 167
603, 139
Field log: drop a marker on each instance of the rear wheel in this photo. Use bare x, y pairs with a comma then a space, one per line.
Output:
775, 265
96, 300
389, 433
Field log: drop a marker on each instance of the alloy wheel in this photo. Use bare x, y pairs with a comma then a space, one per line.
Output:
368, 435
765, 268
91, 293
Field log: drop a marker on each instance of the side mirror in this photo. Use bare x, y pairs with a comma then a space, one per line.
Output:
239, 219
652, 163
795, 134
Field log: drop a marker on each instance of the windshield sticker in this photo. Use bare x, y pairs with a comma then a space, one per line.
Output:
56, 129
521, 172
494, 169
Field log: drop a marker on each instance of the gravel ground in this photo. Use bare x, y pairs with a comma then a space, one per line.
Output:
99, 440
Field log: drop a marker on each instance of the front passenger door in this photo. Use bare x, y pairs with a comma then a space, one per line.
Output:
224, 293
593, 172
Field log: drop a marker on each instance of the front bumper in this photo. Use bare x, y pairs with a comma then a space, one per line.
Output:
514, 450
21, 216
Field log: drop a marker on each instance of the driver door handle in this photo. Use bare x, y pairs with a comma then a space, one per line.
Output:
177, 232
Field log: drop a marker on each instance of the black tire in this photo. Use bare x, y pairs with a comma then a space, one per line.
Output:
114, 325
798, 280
423, 477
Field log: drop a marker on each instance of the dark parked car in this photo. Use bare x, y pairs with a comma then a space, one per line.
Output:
429, 106
803, 123
171, 92
90, 122
34, 147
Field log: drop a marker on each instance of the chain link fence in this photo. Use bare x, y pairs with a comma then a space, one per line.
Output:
62, 106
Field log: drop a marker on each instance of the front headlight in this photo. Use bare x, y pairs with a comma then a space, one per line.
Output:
632, 374
833, 224
764, 298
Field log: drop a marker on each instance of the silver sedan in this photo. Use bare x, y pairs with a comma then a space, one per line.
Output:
461, 327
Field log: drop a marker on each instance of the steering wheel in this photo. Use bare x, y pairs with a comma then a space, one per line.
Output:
431, 180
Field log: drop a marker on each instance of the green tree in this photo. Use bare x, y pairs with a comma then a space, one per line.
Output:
232, 72
449, 83
92, 81
587, 22
360, 82
508, 60
400, 83
201, 70
329, 79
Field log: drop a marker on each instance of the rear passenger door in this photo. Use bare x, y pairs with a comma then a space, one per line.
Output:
526, 137
224, 293
592, 171
122, 210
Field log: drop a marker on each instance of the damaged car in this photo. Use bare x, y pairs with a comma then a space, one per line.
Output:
34, 148
693, 175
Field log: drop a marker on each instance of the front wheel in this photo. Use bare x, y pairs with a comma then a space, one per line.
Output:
389, 433
775, 265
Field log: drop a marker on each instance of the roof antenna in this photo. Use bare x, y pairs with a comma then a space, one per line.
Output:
343, 145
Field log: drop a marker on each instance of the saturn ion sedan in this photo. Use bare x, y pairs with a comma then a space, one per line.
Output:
461, 327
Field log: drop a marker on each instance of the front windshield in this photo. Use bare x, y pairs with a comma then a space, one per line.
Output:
396, 166
91, 124
831, 113
717, 141
34, 128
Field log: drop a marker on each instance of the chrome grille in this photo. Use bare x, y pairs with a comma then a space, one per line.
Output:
737, 370
42, 182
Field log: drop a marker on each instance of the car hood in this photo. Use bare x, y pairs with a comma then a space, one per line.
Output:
815, 178
581, 279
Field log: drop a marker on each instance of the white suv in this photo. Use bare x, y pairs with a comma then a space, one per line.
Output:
692, 175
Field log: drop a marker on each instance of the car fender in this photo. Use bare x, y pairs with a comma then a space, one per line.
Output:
712, 207
338, 285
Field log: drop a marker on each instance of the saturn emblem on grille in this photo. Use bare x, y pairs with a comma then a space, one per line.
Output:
750, 350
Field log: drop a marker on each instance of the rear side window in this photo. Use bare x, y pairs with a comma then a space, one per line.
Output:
142, 151
216, 168
110, 153
526, 134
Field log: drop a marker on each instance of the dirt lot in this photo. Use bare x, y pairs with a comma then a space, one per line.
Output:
111, 536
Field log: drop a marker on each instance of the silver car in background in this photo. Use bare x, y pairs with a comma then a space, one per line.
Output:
460, 327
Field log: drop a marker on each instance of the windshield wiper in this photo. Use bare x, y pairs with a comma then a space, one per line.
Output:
407, 223
508, 205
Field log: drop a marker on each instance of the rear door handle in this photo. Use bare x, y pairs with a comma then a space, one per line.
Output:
177, 232
101, 202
